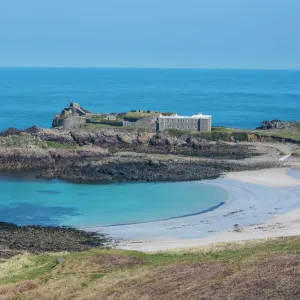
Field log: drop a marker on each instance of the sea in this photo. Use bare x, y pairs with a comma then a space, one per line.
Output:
33, 96
237, 98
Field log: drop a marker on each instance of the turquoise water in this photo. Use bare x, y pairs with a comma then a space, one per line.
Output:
82, 205
239, 98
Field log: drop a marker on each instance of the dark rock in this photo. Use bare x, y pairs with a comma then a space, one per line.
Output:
96, 164
11, 131
277, 124
38, 239
33, 129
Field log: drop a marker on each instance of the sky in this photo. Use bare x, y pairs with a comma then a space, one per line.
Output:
256, 34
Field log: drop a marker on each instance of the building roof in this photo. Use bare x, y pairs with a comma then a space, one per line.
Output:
198, 116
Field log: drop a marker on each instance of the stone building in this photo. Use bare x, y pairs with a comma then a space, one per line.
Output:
197, 122
71, 116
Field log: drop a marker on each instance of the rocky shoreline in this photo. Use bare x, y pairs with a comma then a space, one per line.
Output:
38, 239
112, 155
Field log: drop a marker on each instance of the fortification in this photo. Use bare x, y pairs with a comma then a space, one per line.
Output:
196, 122
72, 116
149, 121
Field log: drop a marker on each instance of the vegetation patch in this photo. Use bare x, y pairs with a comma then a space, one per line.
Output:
217, 134
253, 270
21, 141
134, 116
296, 153
280, 134
26, 266
223, 129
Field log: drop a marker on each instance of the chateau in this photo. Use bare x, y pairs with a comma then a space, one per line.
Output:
149, 120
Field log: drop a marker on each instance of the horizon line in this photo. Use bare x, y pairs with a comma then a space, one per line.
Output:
140, 68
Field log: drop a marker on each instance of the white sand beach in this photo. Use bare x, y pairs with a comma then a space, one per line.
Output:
263, 204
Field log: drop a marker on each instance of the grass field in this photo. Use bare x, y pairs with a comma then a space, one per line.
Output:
254, 270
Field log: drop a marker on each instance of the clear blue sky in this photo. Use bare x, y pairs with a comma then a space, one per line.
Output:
151, 33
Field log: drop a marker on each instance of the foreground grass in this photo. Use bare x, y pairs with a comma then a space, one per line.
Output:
254, 270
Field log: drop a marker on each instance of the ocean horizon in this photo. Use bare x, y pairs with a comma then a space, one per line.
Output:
234, 97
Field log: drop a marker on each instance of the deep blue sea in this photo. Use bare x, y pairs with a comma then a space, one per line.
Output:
32, 96
239, 98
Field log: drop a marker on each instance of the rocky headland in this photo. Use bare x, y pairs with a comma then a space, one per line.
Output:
109, 155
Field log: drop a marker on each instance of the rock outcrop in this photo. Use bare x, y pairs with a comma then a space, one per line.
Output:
117, 155
279, 125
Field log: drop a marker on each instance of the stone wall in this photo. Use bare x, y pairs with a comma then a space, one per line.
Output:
146, 124
205, 124
72, 121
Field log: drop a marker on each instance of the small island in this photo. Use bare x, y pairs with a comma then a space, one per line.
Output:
144, 146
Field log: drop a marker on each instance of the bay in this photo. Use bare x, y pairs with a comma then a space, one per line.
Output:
57, 203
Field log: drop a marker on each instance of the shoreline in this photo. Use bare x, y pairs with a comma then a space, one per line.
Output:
167, 219
262, 204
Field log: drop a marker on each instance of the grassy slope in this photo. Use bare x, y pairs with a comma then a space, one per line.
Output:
255, 270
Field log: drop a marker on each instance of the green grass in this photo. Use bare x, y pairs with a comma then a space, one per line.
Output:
217, 134
27, 266
95, 127
223, 129
140, 115
282, 134
108, 273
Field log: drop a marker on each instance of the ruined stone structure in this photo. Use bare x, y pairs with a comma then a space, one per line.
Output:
197, 122
71, 116
147, 124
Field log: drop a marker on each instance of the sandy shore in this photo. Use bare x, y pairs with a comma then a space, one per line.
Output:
263, 204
